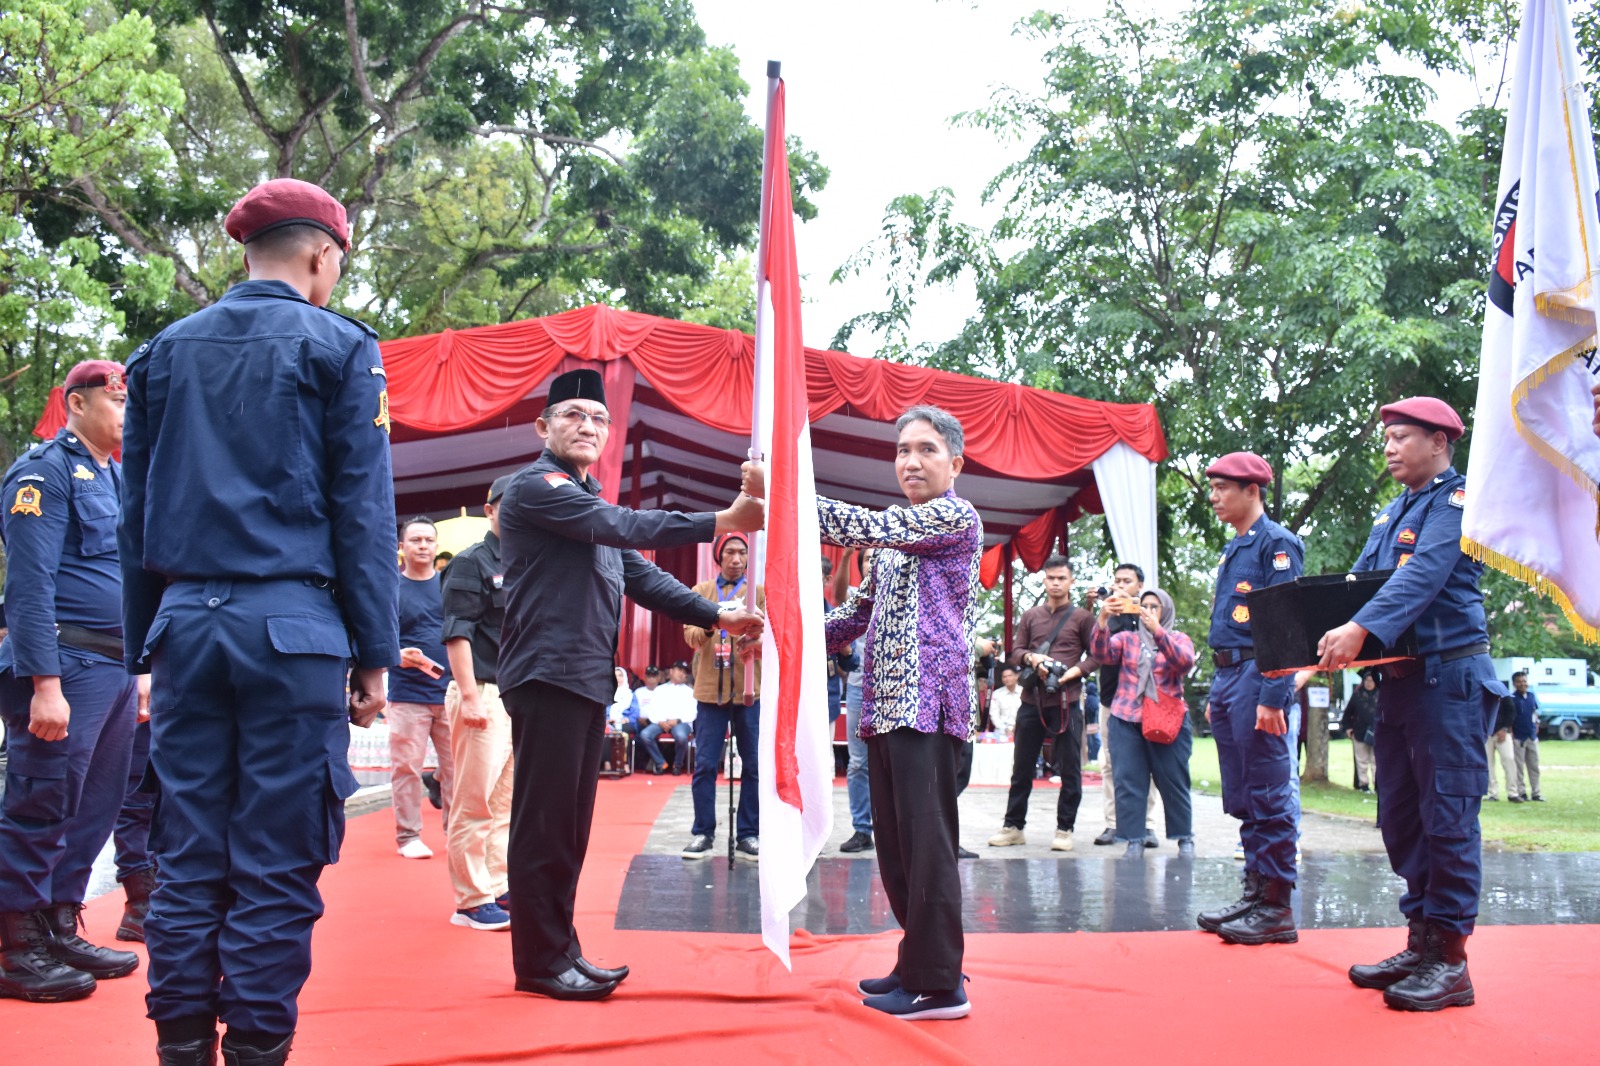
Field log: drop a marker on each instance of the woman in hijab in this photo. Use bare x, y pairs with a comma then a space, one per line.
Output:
1162, 656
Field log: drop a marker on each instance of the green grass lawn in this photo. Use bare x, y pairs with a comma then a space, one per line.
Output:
1569, 780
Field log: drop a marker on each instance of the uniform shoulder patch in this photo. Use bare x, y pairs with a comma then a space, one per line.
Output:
1458, 498
1382, 520
556, 479
31, 477
1405, 557
1407, 536
382, 421
29, 501
1241, 614
1280, 561
1243, 586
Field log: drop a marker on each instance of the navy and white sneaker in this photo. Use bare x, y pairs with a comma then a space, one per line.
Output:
922, 1006
485, 916
878, 986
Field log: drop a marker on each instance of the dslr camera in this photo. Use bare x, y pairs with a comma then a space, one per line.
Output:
1050, 683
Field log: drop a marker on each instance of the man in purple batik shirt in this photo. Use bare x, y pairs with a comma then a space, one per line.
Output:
915, 606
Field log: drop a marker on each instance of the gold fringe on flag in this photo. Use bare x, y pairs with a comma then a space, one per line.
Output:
1569, 305
1555, 365
1589, 633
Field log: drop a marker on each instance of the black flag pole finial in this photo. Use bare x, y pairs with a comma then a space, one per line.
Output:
773, 66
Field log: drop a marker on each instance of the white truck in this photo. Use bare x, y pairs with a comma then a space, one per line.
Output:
1568, 691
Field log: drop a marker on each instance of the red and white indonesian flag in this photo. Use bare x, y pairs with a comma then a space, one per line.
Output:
796, 752
1531, 485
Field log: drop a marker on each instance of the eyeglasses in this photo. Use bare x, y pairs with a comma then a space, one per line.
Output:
575, 418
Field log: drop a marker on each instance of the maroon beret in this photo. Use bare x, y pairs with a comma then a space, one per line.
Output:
287, 202
1245, 467
96, 373
1425, 411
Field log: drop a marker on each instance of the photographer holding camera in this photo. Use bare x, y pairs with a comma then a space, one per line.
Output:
1052, 642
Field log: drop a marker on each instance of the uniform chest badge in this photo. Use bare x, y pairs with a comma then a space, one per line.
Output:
1382, 520
1280, 561
1407, 536
498, 581
382, 421
28, 501
83, 473
555, 479
1241, 614
1243, 586
1458, 498
1405, 557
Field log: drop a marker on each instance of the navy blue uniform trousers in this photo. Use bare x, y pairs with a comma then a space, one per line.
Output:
248, 757
62, 796
132, 834
1433, 771
1260, 780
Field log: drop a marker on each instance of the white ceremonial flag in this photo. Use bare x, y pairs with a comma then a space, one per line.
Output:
796, 752
1535, 467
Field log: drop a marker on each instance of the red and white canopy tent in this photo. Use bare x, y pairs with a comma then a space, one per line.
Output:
463, 403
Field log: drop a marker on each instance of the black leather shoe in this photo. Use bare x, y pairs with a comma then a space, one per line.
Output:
236, 1054
963, 853
1211, 921
1270, 921
600, 974
202, 1052
1108, 835
1395, 967
570, 984
1440, 979
70, 949
858, 841
28, 969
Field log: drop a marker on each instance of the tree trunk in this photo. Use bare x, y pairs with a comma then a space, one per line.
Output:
1316, 732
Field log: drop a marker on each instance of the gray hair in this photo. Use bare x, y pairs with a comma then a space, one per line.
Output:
943, 422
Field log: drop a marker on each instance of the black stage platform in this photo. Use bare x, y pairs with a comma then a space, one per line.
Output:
1158, 892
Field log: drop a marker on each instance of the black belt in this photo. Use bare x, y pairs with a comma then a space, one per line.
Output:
107, 644
1407, 667
1232, 656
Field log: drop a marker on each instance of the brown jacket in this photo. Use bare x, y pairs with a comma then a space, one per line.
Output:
710, 684
1071, 645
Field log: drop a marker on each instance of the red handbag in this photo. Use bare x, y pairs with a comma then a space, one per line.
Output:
1161, 719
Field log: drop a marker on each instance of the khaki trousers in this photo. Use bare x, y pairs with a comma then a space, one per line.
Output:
410, 726
480, 809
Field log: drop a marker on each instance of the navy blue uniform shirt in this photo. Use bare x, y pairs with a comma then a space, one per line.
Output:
1435, 584
570, 557
60, 530
1266, 554
1526, 724
421, 627
256, 446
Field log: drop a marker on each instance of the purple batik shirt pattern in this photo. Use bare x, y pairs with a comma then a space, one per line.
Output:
917, 608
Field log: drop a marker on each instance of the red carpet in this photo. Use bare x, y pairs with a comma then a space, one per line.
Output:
396, 984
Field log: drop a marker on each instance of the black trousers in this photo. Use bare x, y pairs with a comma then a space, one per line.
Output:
913, 780
556, 738
1030, 734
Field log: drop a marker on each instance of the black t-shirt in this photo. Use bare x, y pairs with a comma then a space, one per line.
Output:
421, 626
1117, 623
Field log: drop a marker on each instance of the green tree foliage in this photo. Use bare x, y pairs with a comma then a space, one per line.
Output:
1244, 215
76, 102
497, 161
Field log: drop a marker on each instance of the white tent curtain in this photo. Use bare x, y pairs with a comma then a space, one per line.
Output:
1127, 483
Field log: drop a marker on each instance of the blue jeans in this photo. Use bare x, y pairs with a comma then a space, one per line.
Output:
650, 735
711, 729
855, 777
1139, 761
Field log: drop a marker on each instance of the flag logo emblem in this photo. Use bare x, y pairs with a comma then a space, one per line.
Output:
1503, 266
29, 499
1280, 561
556, 479
1458, 498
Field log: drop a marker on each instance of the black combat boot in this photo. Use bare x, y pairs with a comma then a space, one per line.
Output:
1211, 921
236, 1053
68, 947
1440, 979
200, 1052
27, 968
1395, 967
137, 888
1270, 921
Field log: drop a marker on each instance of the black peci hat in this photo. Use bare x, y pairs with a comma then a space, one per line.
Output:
577, 385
